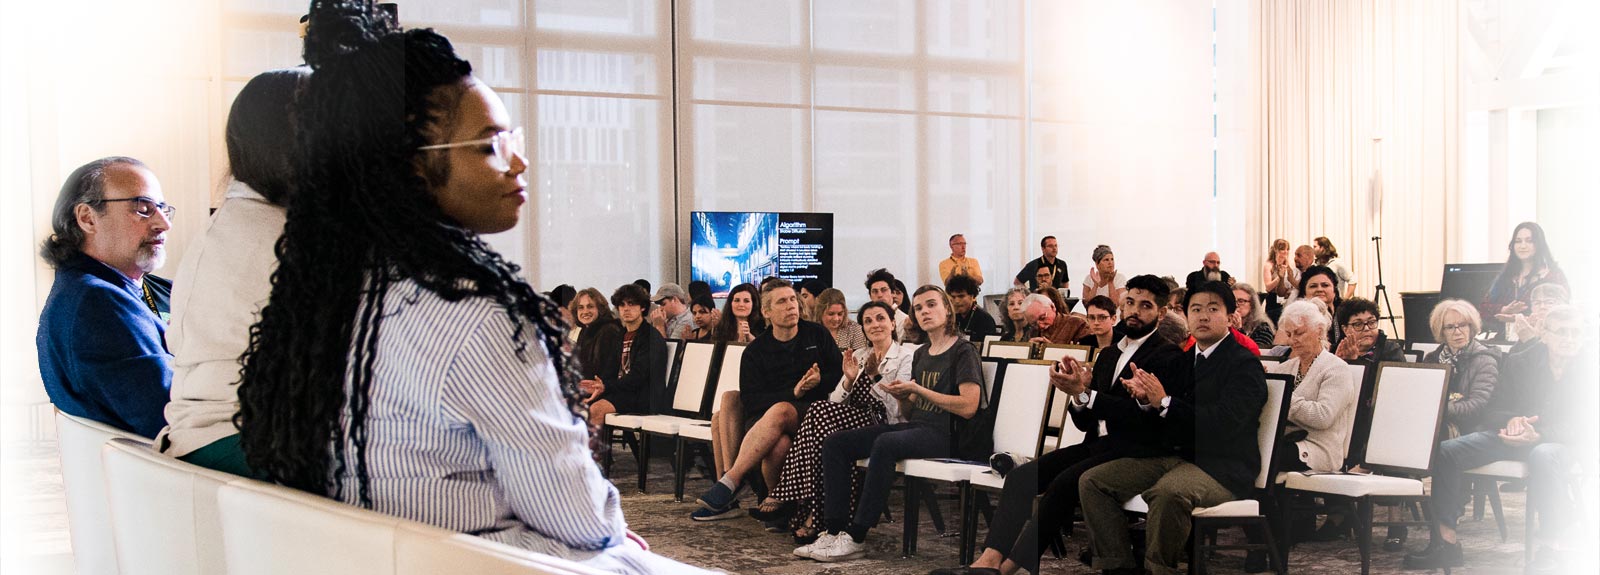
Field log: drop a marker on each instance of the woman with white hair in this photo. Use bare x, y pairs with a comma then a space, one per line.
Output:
1252, 315
1475, 368
1322, 409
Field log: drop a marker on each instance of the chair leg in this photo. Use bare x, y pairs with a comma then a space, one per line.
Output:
908, 533
1364, 533
930, 499
964, 489
1527, 527
1499, 512
643, 453
682, 460
1279, 566
1477, 499
605, 469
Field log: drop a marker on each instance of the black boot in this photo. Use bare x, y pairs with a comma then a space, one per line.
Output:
1437, 555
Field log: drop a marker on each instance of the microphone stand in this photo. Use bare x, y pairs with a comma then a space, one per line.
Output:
1382, 291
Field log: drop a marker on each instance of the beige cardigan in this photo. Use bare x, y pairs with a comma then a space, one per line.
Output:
1324, 404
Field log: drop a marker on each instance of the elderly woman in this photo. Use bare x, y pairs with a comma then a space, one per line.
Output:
1528, 327
1475, 368
1358, 322
1252, 315
1322, 409
1013, 327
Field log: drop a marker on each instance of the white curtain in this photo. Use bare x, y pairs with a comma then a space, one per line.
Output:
1336, 77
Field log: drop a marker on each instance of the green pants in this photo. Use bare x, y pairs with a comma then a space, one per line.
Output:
1171, 486
223, 455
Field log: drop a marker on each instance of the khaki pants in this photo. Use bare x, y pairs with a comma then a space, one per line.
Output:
1171, 486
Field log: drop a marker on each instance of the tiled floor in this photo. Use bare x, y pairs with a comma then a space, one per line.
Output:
41, 545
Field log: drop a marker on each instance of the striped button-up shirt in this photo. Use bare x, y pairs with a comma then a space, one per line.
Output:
465, 435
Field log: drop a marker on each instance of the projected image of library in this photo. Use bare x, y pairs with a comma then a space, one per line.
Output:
731, 248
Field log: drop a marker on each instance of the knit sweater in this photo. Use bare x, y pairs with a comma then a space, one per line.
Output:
1323, 404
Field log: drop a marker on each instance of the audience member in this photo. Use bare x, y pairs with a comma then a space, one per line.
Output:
809, 290
859, 401
1545, 298
1542, 413
741, 320
1050, 326
1055, 298
947, 388
1210, 271
1475, 367
1030, 274
1115, 427
971, 320
1178, 293
698, 288
1102, 320
640, 357
958, 263
1321, 283
1173, 327
1328, 257
643, 284
1104, 279
705, 319
226, 276
1221, 390
880, 287
835, 315
101, 338
901, 302
589, 311
671, 316
1278, 278
1358, 322
1013, 327
388, 307
1528, 266
1252, 318
562, 295
1323, 407
781, 374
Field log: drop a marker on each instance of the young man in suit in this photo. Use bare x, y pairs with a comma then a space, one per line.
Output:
1221, 389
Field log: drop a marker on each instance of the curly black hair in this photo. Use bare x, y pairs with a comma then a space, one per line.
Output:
361, 219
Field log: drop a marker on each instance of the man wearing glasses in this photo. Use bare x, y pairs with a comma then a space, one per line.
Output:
101, 339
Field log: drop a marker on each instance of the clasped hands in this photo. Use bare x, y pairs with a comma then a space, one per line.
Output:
1519, 431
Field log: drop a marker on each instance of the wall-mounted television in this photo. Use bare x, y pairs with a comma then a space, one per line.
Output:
730, 248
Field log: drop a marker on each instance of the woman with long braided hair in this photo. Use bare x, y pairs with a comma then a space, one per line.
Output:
401, 364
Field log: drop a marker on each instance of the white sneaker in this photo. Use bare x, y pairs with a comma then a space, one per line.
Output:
823, 540
842, 548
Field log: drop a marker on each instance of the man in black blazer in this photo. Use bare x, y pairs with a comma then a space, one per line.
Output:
1103, 408
1210, 271
1220, 389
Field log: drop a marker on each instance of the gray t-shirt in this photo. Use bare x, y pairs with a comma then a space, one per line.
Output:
676, 323
943, 373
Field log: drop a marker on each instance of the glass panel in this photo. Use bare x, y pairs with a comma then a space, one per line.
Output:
866, 175
975, 94
974, 29
873, 26
498, 66
471, 12
599, 172
865, 88
766, 22
748, 81
626, 17
597, 72
748, 159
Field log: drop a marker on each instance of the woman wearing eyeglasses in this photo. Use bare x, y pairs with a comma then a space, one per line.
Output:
401, 364
1361, 338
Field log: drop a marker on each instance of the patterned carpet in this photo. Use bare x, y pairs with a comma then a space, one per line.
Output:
742, 546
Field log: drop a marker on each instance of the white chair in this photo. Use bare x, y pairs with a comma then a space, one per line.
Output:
271, 530
163, 511
635, 421
988, 339
1425, 348
1056, 351
1490, 476
1407, 409
93, 543
1019, 423
1010, 350
987, 481
697, 428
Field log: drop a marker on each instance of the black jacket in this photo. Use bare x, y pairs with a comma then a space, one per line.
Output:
1213, 417
644, 386
1133, 432
1527, 388
976, 324
1198, 277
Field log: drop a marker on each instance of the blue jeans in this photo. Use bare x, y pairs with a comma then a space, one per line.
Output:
883, 446
1548, 465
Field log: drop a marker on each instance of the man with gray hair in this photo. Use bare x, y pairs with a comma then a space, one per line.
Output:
102, 335
1046, 324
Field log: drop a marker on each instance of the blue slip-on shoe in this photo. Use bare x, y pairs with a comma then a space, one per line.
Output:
709, 514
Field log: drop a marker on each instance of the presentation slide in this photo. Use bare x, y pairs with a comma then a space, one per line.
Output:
731, 248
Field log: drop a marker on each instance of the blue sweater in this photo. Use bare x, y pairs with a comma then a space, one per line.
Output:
102, 352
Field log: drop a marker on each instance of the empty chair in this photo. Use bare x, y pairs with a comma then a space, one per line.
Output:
1010, 350
93, 544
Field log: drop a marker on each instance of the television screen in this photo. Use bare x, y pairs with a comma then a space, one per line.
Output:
731, 248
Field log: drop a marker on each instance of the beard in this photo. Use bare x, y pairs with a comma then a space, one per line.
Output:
151, 258
1141, 331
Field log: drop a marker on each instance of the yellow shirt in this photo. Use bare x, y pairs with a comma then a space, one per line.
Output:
967, 266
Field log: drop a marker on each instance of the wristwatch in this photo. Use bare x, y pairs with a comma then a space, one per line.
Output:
1083, 399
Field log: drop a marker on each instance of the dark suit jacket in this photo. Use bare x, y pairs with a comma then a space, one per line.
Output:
1133, 430
643, 389
1213, 417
